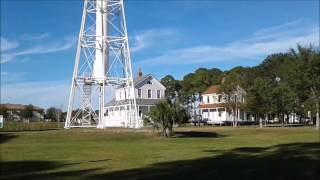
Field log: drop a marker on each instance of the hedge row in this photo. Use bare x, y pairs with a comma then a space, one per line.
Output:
31, 126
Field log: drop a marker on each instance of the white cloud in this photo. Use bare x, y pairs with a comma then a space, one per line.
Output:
149, 38
261, 43
49, 48
39, 49
8, 45
35, 37
139, 43
3, 73
10, 77
275, 29
4, 58
43, 94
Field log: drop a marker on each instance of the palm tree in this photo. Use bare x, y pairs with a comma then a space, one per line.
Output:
166, 114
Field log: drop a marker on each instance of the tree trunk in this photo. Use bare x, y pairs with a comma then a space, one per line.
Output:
233, 117
283, 119
167, 132
317, 117
238, 116
316, 98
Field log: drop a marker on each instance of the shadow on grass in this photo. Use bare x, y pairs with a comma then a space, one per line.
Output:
100, 160
285, 161
40, 170
196, 134
5, 137
22, 167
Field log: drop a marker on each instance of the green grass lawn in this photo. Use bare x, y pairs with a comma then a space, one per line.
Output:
193, 153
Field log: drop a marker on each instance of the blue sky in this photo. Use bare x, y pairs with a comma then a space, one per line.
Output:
38, 39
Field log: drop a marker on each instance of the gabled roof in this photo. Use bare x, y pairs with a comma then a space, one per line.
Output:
217, 89
212, 89
140, 80
18, 107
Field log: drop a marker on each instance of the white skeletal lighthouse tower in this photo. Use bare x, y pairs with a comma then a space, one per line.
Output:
102, 64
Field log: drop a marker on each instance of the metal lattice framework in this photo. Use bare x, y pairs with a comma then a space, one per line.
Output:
102, 64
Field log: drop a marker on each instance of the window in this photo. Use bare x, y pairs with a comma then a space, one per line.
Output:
158, 94
149, 82
139, 93
219, 98
140, 112
220, 112
120, 94
208, 100
149, 93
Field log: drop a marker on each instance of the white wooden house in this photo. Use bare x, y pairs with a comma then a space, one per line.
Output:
13, 112
214, 107
148, 91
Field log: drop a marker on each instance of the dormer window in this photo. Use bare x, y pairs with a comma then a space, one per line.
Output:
219, 98
149, 82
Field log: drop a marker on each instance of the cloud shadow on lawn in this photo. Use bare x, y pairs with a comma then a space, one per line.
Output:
39, 170
285, 161
6, 137
196, 134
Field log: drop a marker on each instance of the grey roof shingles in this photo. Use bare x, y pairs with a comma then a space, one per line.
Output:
138, 80
146, 102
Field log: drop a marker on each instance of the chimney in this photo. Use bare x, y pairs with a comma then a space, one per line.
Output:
139, 72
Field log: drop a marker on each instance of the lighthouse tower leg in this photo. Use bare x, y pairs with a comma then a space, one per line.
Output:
102, 65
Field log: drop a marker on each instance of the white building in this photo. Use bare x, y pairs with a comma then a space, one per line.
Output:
215, 109
13, 112
193, 106
148, 91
